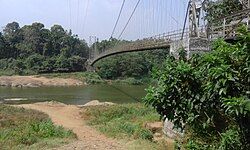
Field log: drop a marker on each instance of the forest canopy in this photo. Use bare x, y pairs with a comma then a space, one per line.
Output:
35, 49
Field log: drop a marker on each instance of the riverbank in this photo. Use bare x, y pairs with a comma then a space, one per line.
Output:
69, 117
65, 79
85, 123
94, 78
37, 81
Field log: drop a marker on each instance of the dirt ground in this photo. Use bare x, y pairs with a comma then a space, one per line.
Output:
69, 117
35, 81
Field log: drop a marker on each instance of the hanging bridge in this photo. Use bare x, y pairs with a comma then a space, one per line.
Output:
194, 35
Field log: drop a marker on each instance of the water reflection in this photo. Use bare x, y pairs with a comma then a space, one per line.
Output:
117, 93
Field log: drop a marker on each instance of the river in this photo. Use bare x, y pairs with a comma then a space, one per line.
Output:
117, 93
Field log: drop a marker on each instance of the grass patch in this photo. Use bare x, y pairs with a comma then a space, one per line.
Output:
88, 77
131, 81
7, 72
26, 129
125, 121
94, 78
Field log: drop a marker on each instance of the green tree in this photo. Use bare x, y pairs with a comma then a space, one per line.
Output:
42, 50
219, 8
34, 62
12, 37
33, 40
2, 46
136, 64
208, 95
77, 63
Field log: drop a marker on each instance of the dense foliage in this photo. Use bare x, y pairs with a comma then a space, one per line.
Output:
135, 64
32, 48
216, 9
208, 96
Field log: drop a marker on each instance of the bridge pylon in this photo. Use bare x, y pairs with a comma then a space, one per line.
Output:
196, 40
198, 37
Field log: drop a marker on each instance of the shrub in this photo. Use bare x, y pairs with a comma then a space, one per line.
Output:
34, 62
207, 94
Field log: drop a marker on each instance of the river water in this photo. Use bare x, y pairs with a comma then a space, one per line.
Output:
117, 93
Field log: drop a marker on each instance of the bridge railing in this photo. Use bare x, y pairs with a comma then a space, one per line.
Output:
227, 25
150, 42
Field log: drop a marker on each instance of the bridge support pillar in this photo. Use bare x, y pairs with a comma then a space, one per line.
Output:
198, 45
176, 46
191, 45
90, 68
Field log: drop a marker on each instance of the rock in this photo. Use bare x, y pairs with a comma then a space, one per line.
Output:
155, 127
109, 103
158, 137
5, 83
96, 103
16, 85
54, 103
32, 85
169, 130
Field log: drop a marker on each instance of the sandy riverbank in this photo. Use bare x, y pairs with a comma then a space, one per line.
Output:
36, 81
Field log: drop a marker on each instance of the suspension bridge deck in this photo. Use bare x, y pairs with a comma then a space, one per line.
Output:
162, 41
224, 28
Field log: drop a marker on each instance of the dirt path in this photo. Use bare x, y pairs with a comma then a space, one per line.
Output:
69, 117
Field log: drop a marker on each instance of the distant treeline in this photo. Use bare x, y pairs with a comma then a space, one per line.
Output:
35, 49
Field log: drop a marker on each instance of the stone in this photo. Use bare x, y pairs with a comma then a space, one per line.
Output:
96, 103
154, 127
158, 137
169, 130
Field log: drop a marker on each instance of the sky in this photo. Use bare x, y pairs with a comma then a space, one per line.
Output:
97, 17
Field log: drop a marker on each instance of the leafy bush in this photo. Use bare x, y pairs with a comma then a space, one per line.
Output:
230, 140
207, 94
34, 62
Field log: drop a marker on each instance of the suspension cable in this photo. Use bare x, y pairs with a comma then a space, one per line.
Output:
129, 19
70, 15
77, 18
85, 17
118, 19
185, 21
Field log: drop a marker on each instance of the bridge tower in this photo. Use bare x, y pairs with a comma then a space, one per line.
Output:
195, 10
92, 44
198, 36
196, 39
92, 52
245, 4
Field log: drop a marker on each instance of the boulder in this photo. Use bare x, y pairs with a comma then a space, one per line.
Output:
155, 127
96, 103
169, 130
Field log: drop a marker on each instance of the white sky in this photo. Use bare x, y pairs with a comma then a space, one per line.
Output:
152, 16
